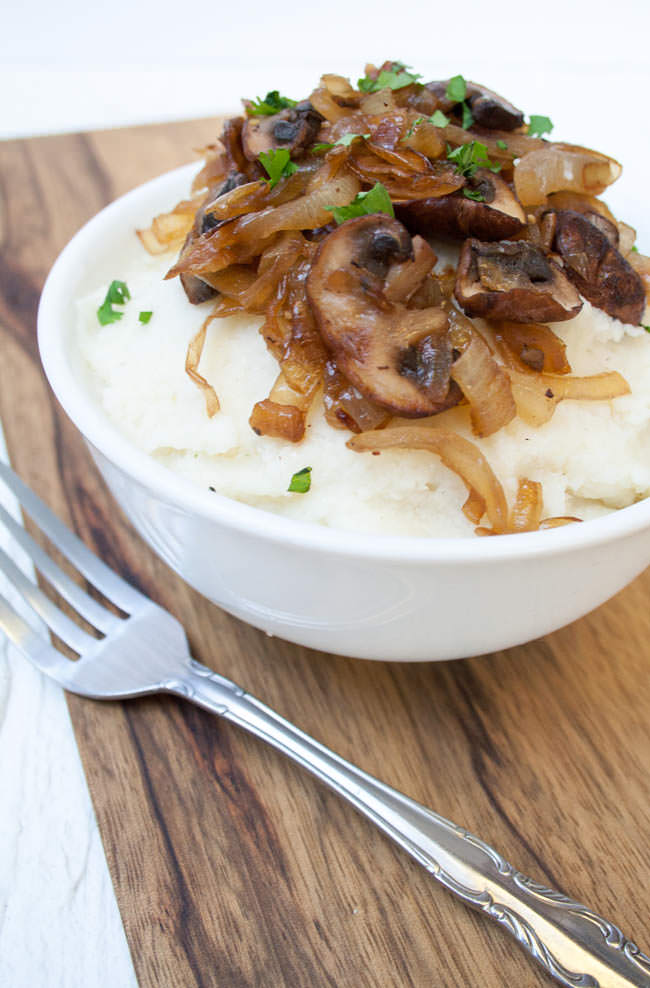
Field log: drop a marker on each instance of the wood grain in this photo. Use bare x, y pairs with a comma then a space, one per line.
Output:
231, 866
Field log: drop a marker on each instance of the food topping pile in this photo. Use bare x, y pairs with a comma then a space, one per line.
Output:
325, 217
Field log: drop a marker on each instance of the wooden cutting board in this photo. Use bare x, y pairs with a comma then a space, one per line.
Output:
231, 866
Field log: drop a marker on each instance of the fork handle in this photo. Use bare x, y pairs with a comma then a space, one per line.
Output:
574, 945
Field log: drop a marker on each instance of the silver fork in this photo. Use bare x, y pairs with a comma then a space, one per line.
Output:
147, 652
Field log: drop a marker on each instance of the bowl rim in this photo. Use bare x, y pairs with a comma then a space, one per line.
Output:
56, 304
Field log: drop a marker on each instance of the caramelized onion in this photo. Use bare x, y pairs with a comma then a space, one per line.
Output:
580, 203
269, 418
214, 170
526, 346
457, 453
339, 86
526, 512
563, 167
626, 238
169, 230
641, 265
537, 395
558, 521
486, 386
427, 139
406, 175
404, 279
225, 245
345, 406
324, 103
192, 360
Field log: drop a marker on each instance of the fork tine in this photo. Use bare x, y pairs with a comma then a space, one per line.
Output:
93, 612
114, 588
55, 619
29, 642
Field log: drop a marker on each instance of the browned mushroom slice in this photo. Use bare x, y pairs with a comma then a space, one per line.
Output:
597, 269
496, 216
513, 280
488, 108
400, 358
294, 128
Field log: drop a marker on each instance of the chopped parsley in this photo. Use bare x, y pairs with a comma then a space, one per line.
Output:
375, 200
346, 141
468, 157
396, 78
439, 119
301, 481
468, 119
145, 317
456, 91
473, 194
416, 123
502, 146
647, 328
117, 294
272, 103
635, 249
539, 126
277, 164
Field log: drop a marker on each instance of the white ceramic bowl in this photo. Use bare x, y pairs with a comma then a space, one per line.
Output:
369, 596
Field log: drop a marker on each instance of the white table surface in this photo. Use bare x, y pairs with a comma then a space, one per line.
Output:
59, 922
72, 66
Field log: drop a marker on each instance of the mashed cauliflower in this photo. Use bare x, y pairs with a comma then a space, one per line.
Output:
591, 457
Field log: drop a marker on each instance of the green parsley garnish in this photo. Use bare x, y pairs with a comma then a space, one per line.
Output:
502, 146
375, 200
117, 294
456, 89
468, 119
647, 328
416, 123
346, 141
468, 157
439, 119
635, 249
301, 481
145, 317
396, 78
473, 194
539, 126
272, 103
277, 164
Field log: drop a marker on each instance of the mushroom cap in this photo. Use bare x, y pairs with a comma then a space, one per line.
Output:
488, 108
293, 128
513, 280
497, 217
596, 267
368, 334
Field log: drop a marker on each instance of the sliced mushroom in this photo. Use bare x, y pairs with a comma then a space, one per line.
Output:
294, 129
496, 216
513, 280
197, 289
488, 108
400, 358
596, 268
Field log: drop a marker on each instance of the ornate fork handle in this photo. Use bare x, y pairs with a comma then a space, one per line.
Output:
574, 944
